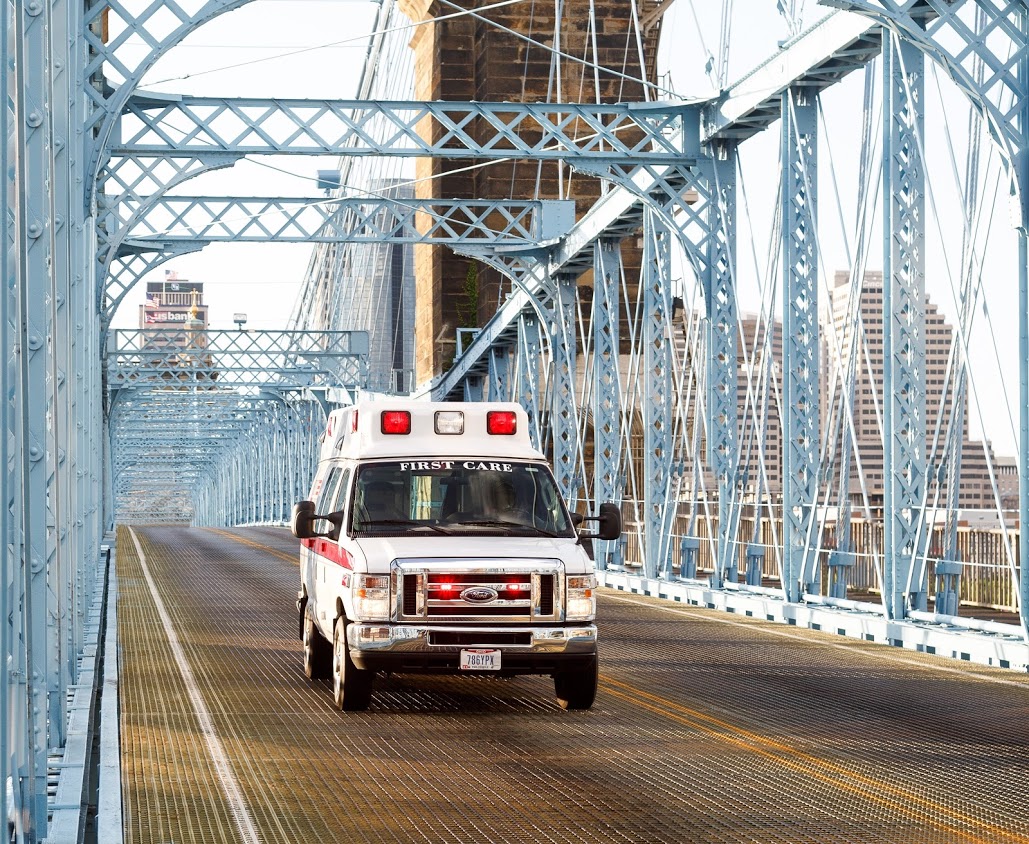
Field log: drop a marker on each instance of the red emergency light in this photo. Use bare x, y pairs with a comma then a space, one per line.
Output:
396, 422
501, 422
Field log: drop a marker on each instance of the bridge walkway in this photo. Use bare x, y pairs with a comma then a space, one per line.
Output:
707, 727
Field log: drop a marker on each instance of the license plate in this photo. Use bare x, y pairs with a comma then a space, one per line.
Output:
479, 659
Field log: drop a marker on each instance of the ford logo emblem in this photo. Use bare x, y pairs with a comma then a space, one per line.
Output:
479, 595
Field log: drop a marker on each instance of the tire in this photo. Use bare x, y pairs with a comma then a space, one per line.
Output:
577, 688
317, 652
351, 686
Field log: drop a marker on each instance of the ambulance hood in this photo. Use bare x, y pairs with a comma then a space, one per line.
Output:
490, 550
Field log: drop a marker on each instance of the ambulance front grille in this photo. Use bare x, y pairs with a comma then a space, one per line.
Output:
479, 595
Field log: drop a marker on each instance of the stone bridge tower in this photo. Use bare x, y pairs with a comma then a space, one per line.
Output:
467, 58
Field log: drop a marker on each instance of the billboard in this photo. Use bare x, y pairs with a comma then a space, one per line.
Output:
156, 317
173, 286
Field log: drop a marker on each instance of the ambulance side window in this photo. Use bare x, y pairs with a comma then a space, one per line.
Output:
332, 499
328, 494
339, 498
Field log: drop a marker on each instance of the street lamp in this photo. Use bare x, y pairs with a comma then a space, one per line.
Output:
240, 320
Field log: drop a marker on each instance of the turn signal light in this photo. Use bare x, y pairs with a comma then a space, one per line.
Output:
501, 422
396, 422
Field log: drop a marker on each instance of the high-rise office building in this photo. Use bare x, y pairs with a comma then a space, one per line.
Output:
853, 354
169, 303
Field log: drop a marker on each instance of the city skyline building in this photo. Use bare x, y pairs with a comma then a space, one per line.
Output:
169, 304
853, 357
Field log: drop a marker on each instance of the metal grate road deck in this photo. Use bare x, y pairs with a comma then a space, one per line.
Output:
707, 728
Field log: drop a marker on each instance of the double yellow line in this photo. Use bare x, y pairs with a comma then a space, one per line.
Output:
903, 802
289, 558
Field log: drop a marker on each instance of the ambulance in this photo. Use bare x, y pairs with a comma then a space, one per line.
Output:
435, 540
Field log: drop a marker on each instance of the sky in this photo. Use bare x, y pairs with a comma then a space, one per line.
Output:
316, 49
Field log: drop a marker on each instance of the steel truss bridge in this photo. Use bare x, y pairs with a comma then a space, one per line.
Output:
104, 425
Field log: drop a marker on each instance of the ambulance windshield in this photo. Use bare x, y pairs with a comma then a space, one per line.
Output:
458, 496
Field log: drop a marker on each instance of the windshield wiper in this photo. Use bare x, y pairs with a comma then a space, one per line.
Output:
501, 523
403, 522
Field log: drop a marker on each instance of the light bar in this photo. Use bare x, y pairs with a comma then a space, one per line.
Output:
395, 422
501, 422
449, 421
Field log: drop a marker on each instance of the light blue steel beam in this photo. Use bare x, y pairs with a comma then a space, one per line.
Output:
192, 222
530, 356
473, 388
815, 59
33, 282
659, 498
158, 26
12, 734
719, 243
647, 132
283, 360
997, 88
564, 404
607, 451
1023, 347
458, 222
697, 200
800, 344
948, 34
143, 177
1023, 417
499, 383
62, 570
905, 578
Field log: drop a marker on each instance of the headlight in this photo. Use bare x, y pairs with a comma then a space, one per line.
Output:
580, 600
371, 597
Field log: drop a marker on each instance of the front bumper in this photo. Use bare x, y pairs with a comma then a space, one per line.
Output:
416, 648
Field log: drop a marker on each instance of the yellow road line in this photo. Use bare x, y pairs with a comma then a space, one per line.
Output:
822, 770
261, 547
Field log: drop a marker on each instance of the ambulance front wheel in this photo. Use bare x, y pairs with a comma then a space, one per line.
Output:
317, 653
351, 686
577, 688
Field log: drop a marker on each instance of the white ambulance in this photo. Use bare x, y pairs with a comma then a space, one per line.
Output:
435, 540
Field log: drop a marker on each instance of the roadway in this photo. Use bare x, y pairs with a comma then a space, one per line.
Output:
707, 728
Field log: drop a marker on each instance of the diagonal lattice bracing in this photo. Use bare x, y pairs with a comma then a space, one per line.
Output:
801, 367
353, 220
904, 350
128, 268
284, 360
172, 444
982, 46
696, 200
112, 74
541, 131
657, 409
608, 481
140, 178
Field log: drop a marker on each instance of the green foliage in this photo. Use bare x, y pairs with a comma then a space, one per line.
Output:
468, 307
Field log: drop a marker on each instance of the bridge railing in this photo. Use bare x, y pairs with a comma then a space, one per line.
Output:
986, 579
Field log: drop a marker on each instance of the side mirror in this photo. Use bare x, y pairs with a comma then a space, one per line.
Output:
609, 522
610, 519
301, 524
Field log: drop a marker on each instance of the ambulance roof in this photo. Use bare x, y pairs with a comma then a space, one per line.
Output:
359, 431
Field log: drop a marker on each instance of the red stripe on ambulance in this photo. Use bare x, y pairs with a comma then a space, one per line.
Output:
330, 551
